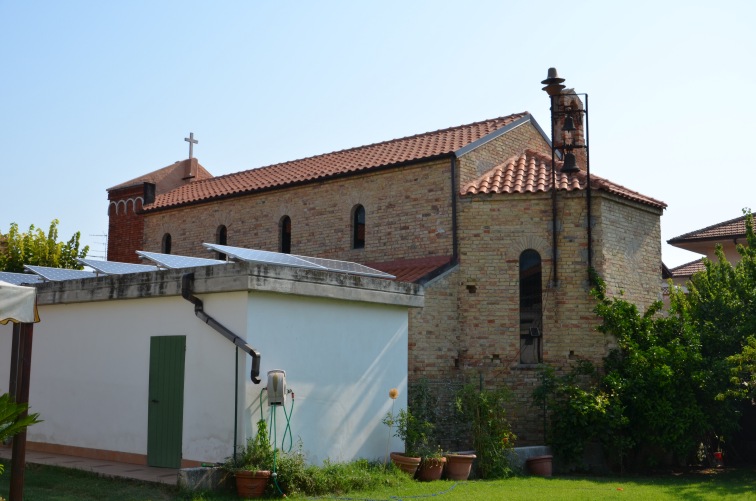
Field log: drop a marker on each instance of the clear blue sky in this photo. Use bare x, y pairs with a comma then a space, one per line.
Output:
95, 93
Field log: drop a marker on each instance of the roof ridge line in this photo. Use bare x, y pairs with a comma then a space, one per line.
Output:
710, 227
364, 146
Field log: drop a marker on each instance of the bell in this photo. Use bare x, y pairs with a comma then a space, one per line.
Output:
569, 166
569, 124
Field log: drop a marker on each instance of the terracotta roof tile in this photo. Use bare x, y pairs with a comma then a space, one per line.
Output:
412, 270
734, 228
688, 269
530, 172
166, 178
394, 152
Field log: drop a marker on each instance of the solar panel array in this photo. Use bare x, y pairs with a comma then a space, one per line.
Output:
115, 268
312, 263
59, 274
173, 261
19, 278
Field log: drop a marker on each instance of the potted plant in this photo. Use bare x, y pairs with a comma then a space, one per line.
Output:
418, 453
406, 429
432, 464
458, 465
252, 464
491, 432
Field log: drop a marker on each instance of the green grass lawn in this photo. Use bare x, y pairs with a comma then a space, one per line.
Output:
57, 484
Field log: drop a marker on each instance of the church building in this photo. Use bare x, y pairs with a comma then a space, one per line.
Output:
499, 229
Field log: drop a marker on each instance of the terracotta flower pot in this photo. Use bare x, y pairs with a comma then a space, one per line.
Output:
430, 469
407, 464
458, 466
251, 484
540, 465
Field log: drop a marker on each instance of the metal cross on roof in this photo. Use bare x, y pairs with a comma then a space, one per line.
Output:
191, 142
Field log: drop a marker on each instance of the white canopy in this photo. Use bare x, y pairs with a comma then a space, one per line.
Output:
18, 304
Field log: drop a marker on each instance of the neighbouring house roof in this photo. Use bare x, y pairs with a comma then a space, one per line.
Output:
530, 172
666, 273
688, 269
412, 270
167, 178
420, 147
734, 228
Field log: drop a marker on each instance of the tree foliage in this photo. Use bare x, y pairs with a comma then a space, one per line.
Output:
35, 247
676, 379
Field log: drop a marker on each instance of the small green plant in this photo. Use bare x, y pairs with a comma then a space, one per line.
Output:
292, 475
258, 454
10, 421
492, 435
416, 433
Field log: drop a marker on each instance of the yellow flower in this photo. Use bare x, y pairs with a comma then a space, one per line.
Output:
393, 393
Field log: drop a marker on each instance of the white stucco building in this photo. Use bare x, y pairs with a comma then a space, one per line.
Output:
120, 362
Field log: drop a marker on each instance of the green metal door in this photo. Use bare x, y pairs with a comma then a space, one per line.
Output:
165, 417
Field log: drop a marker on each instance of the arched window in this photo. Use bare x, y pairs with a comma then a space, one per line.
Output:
285, 235
166, 245
531, 312
358, 227
221, 238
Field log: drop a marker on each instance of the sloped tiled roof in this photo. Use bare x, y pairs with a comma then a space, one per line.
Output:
412, 270
170, 176
530, 172
688, 269
395, 152
734, 228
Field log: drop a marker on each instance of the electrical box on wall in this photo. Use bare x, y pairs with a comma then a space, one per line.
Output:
276, 387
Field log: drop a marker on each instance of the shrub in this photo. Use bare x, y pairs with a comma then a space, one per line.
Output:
493, 439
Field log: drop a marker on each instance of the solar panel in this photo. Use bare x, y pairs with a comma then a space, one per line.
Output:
115, 268
59, 274
19, 278
312, 263
173, 262
265, 257
347, 267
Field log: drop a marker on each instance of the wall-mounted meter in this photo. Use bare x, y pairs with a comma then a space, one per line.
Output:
276, 387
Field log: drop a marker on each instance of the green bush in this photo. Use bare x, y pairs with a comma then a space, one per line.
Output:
664, 390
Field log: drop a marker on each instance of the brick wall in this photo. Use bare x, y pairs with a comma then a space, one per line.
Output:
630, 250
487, 156
494, 231
408, 215
125, 225
434, 336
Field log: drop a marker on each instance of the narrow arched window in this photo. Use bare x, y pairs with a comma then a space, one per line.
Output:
166, 244
221, 238
358, 227
531, 307
285, 235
